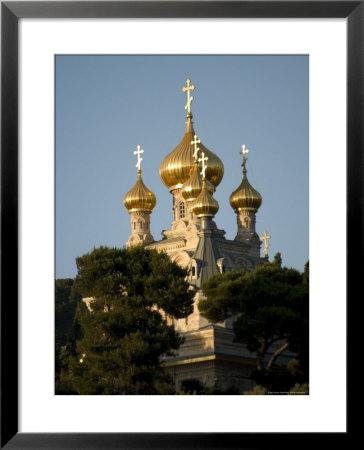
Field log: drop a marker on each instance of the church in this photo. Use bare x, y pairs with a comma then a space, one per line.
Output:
192, 173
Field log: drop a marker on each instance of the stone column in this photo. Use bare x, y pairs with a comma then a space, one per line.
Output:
246, 230
140, 228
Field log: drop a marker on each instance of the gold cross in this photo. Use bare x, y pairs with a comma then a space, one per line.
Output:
243, 152
138, 152
266, 244
195, 142
204, 166
188, 88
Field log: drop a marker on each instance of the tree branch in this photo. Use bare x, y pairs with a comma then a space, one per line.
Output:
276, 354
279, 338
260, 355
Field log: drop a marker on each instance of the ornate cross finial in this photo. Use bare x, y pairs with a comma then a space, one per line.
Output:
266, 244
243, 152
187, 89
138, 152
195, 142
203, 159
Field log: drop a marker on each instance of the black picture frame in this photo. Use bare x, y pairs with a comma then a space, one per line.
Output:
11, 12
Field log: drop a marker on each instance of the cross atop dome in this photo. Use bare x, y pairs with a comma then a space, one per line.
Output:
244, 151
195, 142
204, 160
187, 89
139, 151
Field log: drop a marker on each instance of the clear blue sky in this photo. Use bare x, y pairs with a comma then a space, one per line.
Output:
107, 105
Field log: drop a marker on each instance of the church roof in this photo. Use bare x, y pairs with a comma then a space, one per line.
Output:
245, 196
139, 198
177, 166
205, 204
192, 187
166, 242
206, 256
206, 253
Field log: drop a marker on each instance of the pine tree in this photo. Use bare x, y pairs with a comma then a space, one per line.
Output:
270, 305
120, 336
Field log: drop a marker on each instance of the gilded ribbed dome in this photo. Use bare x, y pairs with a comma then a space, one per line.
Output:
192, 187
205, 204
245, 196
176, 167
139, 198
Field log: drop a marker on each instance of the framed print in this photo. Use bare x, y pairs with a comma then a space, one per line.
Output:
27, 177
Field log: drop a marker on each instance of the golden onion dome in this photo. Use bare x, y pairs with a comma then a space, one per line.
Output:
192, 187
139, 198
176, 167
205, 204
245, 196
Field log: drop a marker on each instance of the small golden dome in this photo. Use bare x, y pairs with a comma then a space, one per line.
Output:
139, 198
192, 187
205, 204
245, 196
176, 167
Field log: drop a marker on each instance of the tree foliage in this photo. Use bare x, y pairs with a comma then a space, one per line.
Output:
301, 389
270, 306
66, 300
194, 386
111, 273
119, 342
257, 390
277, 259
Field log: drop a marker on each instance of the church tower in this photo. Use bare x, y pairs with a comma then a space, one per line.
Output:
245, 201
140, 202
178, 166
204, 260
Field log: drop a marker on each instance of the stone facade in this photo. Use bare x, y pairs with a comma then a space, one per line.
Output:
209, 354
180, 243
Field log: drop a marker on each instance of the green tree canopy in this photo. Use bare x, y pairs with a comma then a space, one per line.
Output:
277, 259
119, 342
270, 306
66, 300
111, 273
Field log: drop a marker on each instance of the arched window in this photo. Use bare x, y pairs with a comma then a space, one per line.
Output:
182, 211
